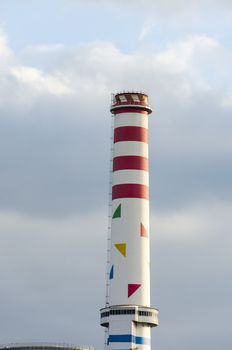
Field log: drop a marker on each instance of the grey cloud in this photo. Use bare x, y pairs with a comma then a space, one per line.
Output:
55, 148
188, 290
196, 163
191, 283
48, 278
44, 164
53, 276
54, 151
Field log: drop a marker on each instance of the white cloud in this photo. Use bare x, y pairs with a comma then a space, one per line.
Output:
54, 179
179, 56
5, 52
43, 49
38, 81
98, 68
54, 151
167, 7
200, 221
146, 30
74, 91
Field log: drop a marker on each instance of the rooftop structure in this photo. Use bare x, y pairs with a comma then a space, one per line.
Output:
43, 346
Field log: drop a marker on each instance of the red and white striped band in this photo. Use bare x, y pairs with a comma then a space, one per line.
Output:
130, 133
130, 162
130, 191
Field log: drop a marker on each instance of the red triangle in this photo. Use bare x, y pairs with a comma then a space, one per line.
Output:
143, 231
132, 289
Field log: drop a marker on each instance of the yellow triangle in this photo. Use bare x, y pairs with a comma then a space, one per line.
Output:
121, 248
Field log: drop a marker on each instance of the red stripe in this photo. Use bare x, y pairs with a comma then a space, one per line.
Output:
129, 110
130, 133
130, 191
130, 162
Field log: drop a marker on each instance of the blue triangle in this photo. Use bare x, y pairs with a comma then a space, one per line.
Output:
111, 276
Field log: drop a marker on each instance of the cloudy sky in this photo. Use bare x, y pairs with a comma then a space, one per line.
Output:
60, 60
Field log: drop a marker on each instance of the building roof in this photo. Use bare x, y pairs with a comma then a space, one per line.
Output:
44, 346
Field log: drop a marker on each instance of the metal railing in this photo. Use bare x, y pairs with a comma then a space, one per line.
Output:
45, 345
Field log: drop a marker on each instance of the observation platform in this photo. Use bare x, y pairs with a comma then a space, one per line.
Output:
135, 313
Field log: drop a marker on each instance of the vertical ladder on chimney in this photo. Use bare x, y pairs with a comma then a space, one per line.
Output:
109, 221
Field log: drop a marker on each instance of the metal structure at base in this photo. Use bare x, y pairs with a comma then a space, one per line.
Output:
127, 316
43, 346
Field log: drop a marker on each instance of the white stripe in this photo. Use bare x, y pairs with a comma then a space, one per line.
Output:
131, 148
131, 119
131, 177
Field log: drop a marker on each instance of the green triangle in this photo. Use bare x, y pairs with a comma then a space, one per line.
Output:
117, 213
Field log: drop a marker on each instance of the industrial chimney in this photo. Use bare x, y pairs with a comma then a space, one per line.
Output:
127, 316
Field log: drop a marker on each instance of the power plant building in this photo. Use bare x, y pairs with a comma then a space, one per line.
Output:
43, 346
